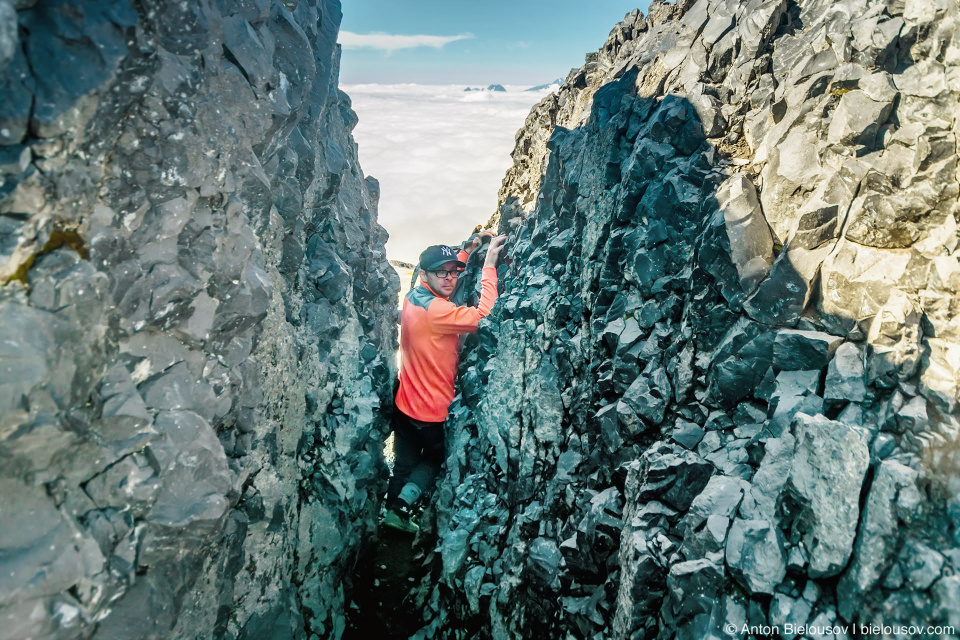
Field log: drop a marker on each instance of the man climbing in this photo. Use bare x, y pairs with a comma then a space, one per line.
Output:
430, 329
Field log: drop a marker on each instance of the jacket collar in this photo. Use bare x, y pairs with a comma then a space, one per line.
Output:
427, 287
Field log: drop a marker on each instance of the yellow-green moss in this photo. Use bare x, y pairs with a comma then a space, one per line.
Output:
58, 238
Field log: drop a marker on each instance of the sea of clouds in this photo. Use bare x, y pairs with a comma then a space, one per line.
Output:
440, 154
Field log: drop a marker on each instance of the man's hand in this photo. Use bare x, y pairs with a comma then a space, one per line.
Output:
493, 251
477, 240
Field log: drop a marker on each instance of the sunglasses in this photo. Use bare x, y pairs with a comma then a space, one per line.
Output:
443, 273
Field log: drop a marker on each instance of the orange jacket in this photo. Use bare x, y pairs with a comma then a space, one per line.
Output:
430, 328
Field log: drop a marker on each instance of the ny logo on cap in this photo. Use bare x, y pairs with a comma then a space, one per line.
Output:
447, 251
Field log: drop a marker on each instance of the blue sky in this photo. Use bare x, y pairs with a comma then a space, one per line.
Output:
470, 42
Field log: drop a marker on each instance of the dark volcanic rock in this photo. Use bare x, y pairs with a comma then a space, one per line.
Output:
798, 350
197, 319
734, 231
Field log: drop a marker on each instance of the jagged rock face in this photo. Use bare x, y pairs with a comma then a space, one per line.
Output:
198, 322
721, 385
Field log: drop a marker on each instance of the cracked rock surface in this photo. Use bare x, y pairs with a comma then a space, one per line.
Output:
197, 322
721, 385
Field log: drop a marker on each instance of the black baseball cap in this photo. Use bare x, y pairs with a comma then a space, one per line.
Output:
437, 255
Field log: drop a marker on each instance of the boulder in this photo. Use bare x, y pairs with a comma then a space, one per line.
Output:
782, 297
893, 353
857, 119
830, 463
673, 475
795, 392
893, 488
921, 564
795, 350
42, 553
693, 586
740, 362
820, 216
940, 379
845, 375
721, 496
648, 396
785, 611
855, 282
687, 434
755, 555
743, 240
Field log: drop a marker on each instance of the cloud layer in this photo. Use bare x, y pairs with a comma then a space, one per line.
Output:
440, 155
391, 42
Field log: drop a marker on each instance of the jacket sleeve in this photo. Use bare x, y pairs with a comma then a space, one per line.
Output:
445, 317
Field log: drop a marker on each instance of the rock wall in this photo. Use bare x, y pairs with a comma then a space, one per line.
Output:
721, 386
197, 322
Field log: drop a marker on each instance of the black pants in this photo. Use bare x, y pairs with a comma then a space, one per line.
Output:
418, 454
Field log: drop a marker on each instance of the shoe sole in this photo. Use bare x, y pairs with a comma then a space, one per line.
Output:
400, 526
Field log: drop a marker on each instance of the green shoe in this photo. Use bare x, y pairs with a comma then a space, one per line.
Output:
396, 519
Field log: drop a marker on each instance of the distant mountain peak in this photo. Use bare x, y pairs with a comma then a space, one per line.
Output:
541, 87
492, 87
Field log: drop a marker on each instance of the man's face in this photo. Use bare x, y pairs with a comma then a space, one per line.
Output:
445, 283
